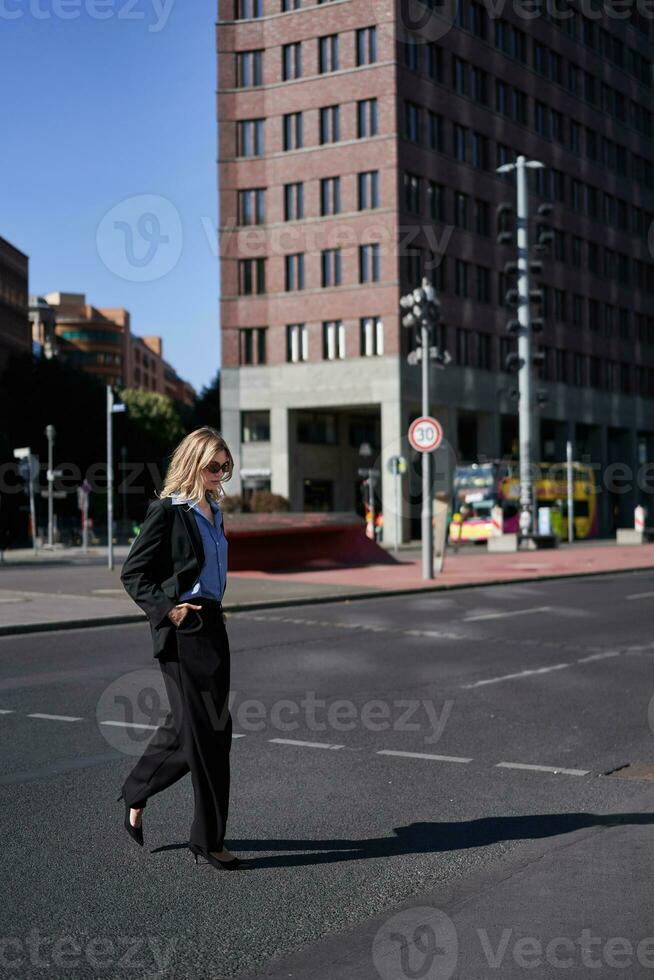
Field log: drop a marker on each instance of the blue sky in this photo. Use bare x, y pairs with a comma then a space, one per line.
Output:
108, 124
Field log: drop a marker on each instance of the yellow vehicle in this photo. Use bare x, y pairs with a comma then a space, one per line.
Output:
480, 490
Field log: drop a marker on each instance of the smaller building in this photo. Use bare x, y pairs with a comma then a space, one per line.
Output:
15, 330
99, 340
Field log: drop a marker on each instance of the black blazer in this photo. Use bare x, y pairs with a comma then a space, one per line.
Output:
164, 560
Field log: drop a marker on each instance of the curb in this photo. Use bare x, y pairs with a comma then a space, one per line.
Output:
128, 618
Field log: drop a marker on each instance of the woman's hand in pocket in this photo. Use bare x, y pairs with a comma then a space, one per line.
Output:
178, 613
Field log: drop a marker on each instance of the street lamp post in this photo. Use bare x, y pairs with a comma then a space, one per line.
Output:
523, 328
422, 314
111, 408
50, 434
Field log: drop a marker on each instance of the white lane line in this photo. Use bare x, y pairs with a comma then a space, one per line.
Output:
312, 745
6, 711
512, 677
557, 769
641, 595
128, 724
423, 755
37, 714
599, 656
505, 615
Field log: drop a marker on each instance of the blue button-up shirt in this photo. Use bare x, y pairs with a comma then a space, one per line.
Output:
213, 575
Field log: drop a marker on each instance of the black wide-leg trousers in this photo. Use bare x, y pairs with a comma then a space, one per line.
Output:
197, 733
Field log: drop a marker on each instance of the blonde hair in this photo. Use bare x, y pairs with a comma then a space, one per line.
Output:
195, 451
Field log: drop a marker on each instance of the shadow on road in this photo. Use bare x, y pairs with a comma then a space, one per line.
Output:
425, 838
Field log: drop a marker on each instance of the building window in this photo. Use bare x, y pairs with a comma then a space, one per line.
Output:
481, 217
317, 427
463, 347
252, 345
412, 122
251, 276
479, 85
294, 272
333, 340
331, 267
369, 262
293, 135
436, 201
366, 44
288, 5
371, 336
412, 184
248, 9
412, 50
484, 351
293, 201
434, 61
330, 195
459, 75
366, 118
330, 124
435, 131
460, 141
250, 137
461, 210
255, 426
368, 190
461, 278
249, 68
483, 284
291, 61
297, 342
479, 151
328, 54
251, 206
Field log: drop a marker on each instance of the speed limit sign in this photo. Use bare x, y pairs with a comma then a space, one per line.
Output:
425, 434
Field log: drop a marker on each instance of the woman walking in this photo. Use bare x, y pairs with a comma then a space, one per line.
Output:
176, 571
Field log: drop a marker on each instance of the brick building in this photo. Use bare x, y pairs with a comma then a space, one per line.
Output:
100, 340
356, 155
15, 331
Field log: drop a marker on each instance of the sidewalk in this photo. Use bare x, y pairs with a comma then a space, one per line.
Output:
72, 590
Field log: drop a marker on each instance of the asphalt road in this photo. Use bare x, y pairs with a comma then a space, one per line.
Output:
392, 752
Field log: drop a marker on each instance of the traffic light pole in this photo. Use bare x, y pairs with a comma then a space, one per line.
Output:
426, 514
525, 387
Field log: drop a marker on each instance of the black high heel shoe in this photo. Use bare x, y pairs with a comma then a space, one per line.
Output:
236, 864
136, 833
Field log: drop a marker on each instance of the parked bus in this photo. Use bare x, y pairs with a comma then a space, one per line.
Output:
486, 499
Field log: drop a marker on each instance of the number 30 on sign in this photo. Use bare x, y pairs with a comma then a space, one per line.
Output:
425, 434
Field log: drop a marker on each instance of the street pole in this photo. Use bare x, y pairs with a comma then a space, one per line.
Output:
524, 351
396, 482
426, 515
110, 479
50, 433
571, 499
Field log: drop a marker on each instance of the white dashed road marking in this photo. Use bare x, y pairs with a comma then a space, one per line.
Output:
53, 717
505, 615
311, 745
424, 755
557, 769
641, 595
513, 677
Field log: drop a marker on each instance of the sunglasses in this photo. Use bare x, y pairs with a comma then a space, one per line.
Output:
218, 467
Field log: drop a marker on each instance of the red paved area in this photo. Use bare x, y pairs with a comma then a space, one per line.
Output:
474, 566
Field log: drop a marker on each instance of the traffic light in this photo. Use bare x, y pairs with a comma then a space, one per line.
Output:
422, 309
513, 363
